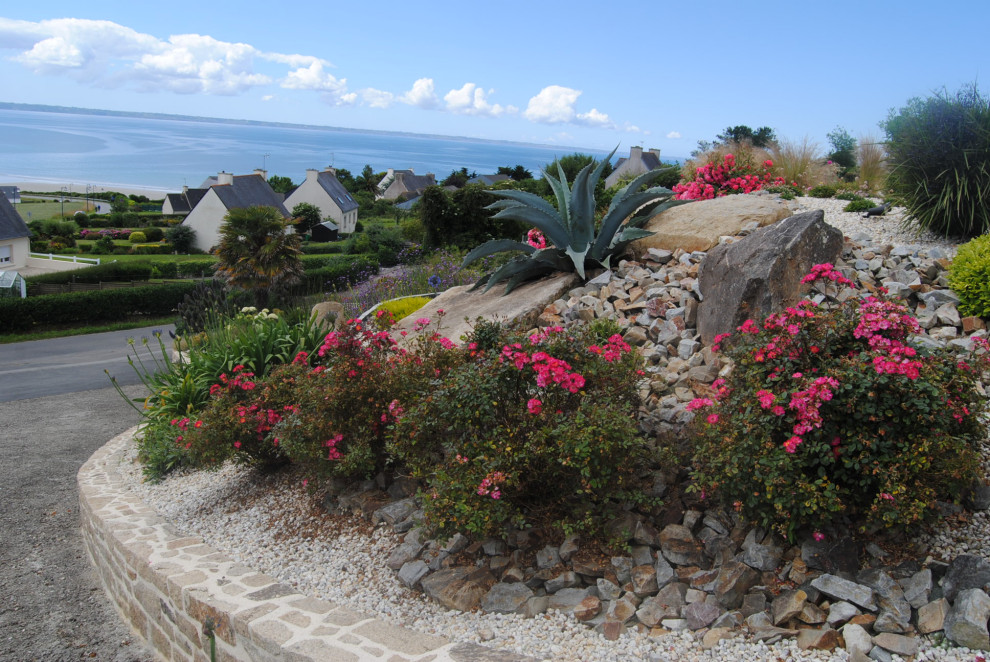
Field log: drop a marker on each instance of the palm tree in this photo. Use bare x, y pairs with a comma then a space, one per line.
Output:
256, 254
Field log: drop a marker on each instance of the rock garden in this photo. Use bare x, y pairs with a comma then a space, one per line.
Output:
645, 468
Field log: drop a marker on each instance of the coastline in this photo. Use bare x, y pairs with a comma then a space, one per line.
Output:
78, 189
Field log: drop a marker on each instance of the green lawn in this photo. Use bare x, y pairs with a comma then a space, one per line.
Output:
34, 211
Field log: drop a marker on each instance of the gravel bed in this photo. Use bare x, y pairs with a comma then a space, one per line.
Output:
273, 524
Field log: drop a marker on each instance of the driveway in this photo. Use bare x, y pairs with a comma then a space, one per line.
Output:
56, 409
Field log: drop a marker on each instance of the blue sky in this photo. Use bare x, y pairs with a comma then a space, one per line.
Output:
651, 73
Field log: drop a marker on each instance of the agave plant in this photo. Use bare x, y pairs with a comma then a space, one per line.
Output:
569, 228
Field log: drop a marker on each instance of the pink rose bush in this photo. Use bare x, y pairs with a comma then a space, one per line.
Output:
714, 180
832, 417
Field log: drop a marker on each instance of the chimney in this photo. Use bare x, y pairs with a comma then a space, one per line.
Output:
331, 170
635, 153
312, 174
185, 190
655, 152
225, 178
263, 173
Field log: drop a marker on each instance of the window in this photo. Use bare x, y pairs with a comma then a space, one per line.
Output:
5, 254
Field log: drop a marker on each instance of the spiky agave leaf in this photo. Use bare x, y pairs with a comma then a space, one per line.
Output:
620, 212
514, 266
496, 246
563, 195
520, 207
582, 207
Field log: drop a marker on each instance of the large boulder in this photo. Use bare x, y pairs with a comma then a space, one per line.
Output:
461, 307
697, 226
761, 273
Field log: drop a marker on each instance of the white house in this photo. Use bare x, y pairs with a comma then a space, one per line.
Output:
324, 191
15, 238
637, 164
230, 192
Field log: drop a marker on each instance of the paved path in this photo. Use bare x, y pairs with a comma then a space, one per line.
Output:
66, 365
52, 606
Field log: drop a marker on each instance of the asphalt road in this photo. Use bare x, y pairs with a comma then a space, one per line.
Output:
39, 368
56, 409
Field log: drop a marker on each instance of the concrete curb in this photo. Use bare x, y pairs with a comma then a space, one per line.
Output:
167, 585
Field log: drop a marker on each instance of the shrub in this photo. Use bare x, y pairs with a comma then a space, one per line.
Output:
493, 436
822, 191
402, 308
843, 153
17, 315
323, 249
181, 237
861, 204
150, 249
109, 271
719, 178
207, 303
153, 233
969, 277
847, 195
940, 161
138, 237
829, 418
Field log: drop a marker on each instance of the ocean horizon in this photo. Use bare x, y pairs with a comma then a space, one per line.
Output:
164, 153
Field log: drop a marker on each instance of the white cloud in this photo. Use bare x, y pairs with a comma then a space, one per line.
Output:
268, 97
192, 63
472, 100
594, 118
377, 98
553, 105
674, 134
422, 94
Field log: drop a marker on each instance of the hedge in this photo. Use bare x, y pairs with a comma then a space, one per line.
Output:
341, 273
22, 315
97, 273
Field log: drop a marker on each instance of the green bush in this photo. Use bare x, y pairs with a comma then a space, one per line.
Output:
21, 315
323, 248
341, 274
181, 237
848, 195
138, 237
939, 154
539, 433
859, 205
822, 191
402, 308
969, 277
830, 419
153, 233
150, 249
98, 273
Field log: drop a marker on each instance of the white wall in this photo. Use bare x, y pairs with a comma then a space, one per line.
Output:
20, 248
206, 220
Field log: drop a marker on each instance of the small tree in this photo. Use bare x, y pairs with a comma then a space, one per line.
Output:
182, 238
518, 173
281, 184
256, 254
120, 204
843, 153
305, 216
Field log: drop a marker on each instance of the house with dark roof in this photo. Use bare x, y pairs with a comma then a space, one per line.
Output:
230, 192
404, 184
15, 238
180, 204
639, 162
323, 190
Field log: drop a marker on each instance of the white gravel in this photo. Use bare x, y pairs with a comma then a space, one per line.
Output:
273, 524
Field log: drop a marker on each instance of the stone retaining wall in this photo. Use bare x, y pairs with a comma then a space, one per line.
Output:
167, 585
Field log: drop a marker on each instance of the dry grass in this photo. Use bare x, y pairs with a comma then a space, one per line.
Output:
872, 158
803, 163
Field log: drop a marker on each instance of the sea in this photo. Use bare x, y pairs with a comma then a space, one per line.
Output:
166, 153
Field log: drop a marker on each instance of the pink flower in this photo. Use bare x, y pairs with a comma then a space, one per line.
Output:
534, 406
818, 535
791, 444
712, 419
778, 411
536, 239
766, 398
699, 403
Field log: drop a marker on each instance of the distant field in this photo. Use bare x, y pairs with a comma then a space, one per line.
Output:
33, 211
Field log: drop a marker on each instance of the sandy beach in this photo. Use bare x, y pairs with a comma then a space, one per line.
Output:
79, 189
